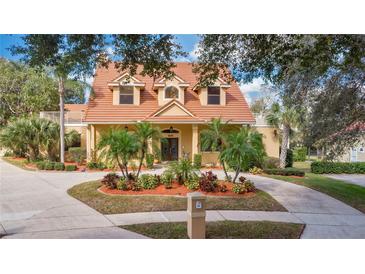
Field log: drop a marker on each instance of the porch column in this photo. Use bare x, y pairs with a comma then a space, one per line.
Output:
195, 141
88, 146
92, 139
149, 147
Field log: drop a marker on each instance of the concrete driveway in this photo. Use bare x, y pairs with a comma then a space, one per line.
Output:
357, 179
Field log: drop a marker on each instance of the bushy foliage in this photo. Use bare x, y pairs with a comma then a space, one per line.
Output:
122, 184
148, 181
255, 170
49, 165
59, 166
96, 165
193, 183
333, 167
182, 170
285, 172
77, 154
110, 180
70, 167
244, 186
40, 165
197, 161
167, 178
238, 188
271, 162
300, 154
149, 160
208, 182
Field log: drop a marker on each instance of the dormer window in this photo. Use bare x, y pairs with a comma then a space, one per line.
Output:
126, 95
214, 96
171, 92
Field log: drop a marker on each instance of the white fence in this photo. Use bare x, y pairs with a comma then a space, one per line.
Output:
71, 117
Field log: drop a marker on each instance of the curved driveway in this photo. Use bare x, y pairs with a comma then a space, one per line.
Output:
36, 205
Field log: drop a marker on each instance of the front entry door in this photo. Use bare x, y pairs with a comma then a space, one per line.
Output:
169, 149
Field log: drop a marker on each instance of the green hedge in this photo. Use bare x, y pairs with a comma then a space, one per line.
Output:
59, 166
285, 172
70, 168
300, 154
332, 167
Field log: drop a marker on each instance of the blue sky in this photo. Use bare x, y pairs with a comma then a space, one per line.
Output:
251, 91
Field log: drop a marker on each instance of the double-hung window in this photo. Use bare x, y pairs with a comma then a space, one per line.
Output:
214, 96
126, 95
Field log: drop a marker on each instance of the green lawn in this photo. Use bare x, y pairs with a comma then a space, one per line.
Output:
222, 230
109, 204
350, 194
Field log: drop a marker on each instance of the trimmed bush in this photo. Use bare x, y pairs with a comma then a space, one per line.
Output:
289, 158
49, 165
166, 179
148, 181
40, 165
59, 166
192, 183
197, 161
149, 160
333, 167
285, 172
255, 170
95, 165
77, 154
110, 180
70, 168
271, 162
300, 154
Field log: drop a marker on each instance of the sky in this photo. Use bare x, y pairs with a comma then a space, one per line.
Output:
252, 91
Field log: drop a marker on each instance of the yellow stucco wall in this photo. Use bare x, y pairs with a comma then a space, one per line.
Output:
270, 140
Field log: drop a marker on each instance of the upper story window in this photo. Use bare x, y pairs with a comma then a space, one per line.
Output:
126, 95
171, 92
214, 96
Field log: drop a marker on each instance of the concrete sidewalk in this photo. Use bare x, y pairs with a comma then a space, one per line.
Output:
357, 179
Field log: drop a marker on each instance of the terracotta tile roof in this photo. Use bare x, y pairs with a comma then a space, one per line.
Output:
101, 109
75, 107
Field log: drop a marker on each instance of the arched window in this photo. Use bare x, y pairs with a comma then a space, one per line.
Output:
171, 130
171, 92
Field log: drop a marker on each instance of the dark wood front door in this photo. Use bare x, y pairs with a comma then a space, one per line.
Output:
170, 149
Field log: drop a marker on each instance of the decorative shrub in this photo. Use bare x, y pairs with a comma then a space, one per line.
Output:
40, 165
148, 181
300, 154
285, 172
167, 178
208, 181
271, 162
77, 154
249, 186
182, 170
149, 160
122, 184
289, 158
134, 185
192, 183
223, 188
49, 165
110, 180
59, 166
70, 168
255, 170
333, 167
197, 161
95, 165
239, 188
242, 179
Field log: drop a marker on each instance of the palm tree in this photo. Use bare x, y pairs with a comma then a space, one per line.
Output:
283, 118
50, 138
214, 138
145, 132
242, 147
120, 146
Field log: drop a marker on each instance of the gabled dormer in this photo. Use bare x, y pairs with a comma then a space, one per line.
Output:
213, 95
170, 89
126, 90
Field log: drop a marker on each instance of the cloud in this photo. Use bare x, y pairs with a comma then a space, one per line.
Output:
194, 53
109, 50
252, 91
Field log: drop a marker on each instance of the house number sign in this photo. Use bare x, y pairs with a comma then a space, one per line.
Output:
198, 204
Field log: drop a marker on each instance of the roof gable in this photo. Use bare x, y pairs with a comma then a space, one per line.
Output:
172, 108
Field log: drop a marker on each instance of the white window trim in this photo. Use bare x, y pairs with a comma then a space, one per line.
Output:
132, 95
178, 94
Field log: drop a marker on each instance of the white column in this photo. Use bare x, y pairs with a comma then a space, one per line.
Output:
195, 140
88, 145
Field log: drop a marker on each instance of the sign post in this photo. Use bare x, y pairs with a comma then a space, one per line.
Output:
196, 215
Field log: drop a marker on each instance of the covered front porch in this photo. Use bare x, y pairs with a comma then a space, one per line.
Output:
177, 141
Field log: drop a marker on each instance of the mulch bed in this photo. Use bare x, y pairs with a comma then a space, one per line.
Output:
176, 190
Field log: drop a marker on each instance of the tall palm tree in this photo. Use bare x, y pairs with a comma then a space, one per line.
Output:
241, 148
145, 132
214, 138
118, 145
283, 118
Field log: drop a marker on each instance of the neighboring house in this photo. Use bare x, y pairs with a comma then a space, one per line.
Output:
74, 119
355, 152
178, 106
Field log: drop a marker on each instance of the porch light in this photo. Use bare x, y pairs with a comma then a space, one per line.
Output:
171, 129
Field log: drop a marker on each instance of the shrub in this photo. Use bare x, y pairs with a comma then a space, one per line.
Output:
285, 172
95, 165
110, 180
255, 170
249, 186
122, 184
59, 166
289, 158
149, 160
167, 178
271, 162
148, 181
333, 167
197, 161
223, 188
41, 165
77, 154
208, 182
192, 183
182, 170
70, 167
239, 188
49, 165
134, 185
242, 179
300, 154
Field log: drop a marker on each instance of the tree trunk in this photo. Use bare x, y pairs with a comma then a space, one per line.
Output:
284, 146
61, 91
236, 175
141, 162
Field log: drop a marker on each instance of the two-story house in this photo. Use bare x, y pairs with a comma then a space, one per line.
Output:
178, 106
